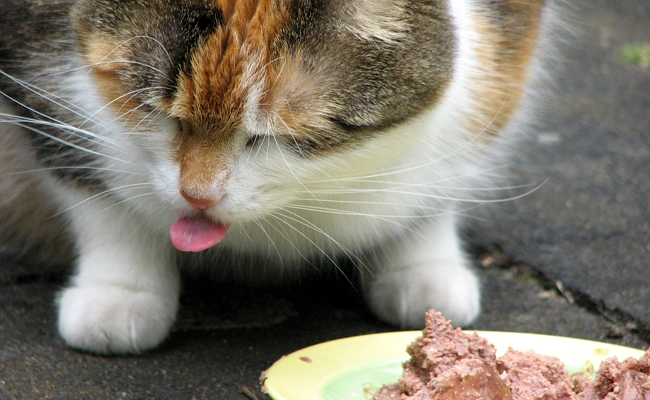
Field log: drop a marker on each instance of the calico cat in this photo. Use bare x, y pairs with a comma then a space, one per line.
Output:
254, 136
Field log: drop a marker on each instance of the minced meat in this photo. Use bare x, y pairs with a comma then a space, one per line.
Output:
449, 364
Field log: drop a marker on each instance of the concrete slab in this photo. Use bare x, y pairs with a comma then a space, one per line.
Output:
588, 225
226, 337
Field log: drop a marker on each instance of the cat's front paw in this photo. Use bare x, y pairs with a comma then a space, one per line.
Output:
401, 297
109, 319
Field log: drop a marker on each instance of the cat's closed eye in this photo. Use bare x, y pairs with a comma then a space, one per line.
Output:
254, 140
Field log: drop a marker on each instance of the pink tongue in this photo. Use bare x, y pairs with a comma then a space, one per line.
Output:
196, 234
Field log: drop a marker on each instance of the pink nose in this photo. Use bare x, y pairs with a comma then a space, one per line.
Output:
198, 203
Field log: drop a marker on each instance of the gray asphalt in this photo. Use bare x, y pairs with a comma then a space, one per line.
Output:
572, 258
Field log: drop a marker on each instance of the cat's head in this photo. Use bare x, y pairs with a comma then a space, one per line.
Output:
239, 103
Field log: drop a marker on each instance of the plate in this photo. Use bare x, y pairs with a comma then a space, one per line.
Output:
352, 368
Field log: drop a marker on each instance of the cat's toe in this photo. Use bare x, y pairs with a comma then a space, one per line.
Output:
114, 320
402, 297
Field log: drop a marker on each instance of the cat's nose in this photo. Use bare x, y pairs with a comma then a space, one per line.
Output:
201, 204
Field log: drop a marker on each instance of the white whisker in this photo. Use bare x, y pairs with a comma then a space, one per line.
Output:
386, 205
279, 217
289, 165
90, 66
144, 118
271, 242
132, 94
308, 224
81, 168
47, 117
443, 197
104, 194
80, 133
48, 96
72, 145
293, 136
285, 237
363, 179
124, 201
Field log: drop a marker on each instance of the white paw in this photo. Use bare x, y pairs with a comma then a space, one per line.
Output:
402, 297
114, 320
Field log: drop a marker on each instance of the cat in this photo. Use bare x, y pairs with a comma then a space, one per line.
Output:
260, 137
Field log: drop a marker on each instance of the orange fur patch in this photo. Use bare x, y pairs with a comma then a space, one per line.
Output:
236, 62
203, 162
224, 68
505, 57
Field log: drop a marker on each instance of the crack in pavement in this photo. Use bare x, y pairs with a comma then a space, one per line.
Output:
621, 322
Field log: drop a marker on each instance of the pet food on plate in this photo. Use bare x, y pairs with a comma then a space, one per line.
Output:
449, 364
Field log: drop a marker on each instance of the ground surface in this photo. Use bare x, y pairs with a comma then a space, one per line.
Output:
572, 258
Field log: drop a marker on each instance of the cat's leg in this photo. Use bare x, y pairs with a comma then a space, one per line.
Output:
124, 296
424, 269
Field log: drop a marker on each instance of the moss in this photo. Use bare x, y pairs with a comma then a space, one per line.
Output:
636, 55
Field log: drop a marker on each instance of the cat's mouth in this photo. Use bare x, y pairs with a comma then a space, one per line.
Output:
197, 233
